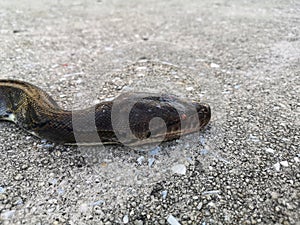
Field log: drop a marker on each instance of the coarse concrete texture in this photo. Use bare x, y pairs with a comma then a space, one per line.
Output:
242, 57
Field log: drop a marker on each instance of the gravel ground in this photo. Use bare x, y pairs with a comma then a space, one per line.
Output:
242, 57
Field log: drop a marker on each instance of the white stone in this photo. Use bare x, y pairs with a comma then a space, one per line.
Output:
214, 65
164, 194
270, 150
189, 88
125, 219
277, 166
8, 214
284, 163
200, 206
179, 169
172, 220
140, 160
151, 161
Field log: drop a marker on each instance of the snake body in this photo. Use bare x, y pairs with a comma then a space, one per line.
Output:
35, 111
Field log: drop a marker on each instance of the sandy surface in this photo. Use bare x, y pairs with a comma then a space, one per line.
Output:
242, 57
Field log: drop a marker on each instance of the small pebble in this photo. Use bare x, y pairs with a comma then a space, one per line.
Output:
164, 194
274, 195
2, 190
277, 166
270, 150
138, 222
151, 161
203, 151
179, 169
155, 151
214, 65
52, 181
125, 219
199, 206
8, 214
284, 163
189, 88
18, 177
172, 220
140, 160
213, 192
97, 203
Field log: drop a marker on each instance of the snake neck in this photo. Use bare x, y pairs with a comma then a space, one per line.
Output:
32, 109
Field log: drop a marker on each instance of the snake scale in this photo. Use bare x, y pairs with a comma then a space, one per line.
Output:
32, 109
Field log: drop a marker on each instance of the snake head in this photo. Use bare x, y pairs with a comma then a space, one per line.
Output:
158, 117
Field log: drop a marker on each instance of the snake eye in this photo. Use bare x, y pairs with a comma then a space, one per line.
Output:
148, 134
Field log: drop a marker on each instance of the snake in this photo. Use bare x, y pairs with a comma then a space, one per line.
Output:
124, 120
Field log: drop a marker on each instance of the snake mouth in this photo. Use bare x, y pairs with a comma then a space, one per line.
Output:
192, 121
197, 119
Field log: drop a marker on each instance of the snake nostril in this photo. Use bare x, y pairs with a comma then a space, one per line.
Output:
204, 112
148, 135
202, 108
207, 109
